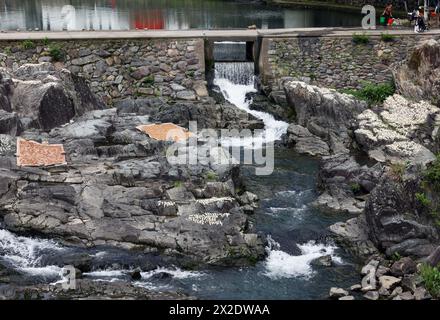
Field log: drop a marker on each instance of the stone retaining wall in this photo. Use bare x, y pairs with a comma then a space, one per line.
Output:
335, 62
117, 69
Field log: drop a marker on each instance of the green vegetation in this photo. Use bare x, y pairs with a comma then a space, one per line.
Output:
148, 80
423, 199
396, 256
7, 51
431, 279
211, 176
386, 37
355, 187
398, 170
372, 93
178, 184
432, 174
46, 41
360, 38
28, 44
55, 52
431, 184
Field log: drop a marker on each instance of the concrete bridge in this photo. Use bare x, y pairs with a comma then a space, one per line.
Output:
215, 35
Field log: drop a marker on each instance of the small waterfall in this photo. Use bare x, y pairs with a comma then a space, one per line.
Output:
238, 73
236, 80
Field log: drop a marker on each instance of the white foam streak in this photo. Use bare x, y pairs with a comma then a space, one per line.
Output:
176, 273
106, 273
234, 91
24, 253
280, 264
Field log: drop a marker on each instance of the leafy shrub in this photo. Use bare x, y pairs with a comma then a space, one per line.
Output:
55, 52
423, 199
211, 176
360, 38
386, 37
28, 44
46, 41
431, 279
432, 173
373, 93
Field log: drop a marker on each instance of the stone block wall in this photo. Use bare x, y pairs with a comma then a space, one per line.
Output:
117, 69
335, 62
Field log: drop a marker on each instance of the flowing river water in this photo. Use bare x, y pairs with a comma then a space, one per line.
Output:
56, 15
296, 231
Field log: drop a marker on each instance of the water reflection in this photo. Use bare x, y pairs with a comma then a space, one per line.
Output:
57, 15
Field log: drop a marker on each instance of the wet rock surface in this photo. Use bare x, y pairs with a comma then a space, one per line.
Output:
87, 290
373, 164
118, 189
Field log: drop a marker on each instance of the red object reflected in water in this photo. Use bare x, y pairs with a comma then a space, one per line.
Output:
151, 19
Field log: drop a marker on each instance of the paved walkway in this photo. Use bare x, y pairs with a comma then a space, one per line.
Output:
242, 34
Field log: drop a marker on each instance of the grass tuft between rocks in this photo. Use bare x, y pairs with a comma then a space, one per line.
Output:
372, 93
431, 279
360, 38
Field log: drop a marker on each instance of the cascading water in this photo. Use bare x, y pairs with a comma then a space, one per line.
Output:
293, 227
236, 80
25, 254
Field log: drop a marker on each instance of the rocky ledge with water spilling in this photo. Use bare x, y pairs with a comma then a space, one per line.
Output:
378, 164
116, 187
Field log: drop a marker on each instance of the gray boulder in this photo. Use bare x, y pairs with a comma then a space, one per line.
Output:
6, 89
305, 142
326, 113
48, 98
344, 183
417, 77
394, 222
10, 123
399, 131
403, 266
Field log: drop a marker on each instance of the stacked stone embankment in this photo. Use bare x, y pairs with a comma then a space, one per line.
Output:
117, 69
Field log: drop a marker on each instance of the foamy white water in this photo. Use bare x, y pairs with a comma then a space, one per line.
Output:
235, 80
107, 273
176, 273
24, 253
280, 264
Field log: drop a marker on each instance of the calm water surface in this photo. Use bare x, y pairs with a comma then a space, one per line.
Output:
57, 15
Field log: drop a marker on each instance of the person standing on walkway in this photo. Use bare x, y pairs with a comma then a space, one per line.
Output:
388, 14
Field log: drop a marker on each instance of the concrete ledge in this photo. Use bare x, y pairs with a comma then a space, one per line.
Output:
236, 34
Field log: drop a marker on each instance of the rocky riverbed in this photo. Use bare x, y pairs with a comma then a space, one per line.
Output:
375, 164
117, 193
117, 188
